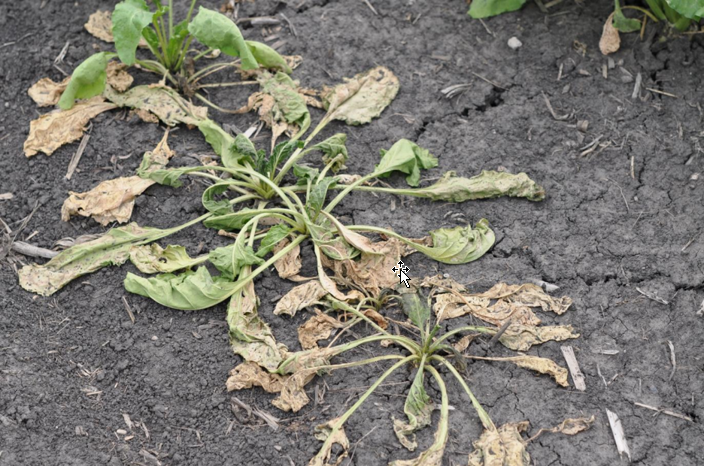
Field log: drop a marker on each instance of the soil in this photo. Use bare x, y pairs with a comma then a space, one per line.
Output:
623, 213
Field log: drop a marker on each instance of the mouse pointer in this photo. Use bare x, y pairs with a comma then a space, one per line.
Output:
404, 278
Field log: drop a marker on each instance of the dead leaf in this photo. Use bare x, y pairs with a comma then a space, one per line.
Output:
521, 337
145, 115
46, 93
377, 318
100, 25
331, 436
464, 342
118, 78
162, 101
293, 396
54, 129
442, 283
302, 367
6, 196
610, 40
318, 327
501, 447
568, 427
250, 374
300, 297
290, 264
542, 365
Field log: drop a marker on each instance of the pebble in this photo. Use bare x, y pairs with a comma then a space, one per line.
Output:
514, 43
155, 338
695, 176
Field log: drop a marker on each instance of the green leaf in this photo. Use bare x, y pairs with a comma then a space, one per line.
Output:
188, 291
318, 194
654, 6
268, 57
304, 173
129, 18
272, 238
281, 153
231, 222
622, 23
335, 150
416, 309
217, 31
489, 184
691, 9
152, 258
418, 409
112, 248
165, 176
407, 157
360, 99
217, 207
232, 151
87, 80
322, 232
487, 8
176, 41
229, 260
289, 104
458, 245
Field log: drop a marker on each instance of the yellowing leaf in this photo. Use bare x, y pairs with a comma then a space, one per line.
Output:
610, 40
300, 297
501, 447
318, 327
52, 130
360, 99
418, 408
162, 101
521, 337
249, 374
46, 93
331, 435
152, 258
542, 365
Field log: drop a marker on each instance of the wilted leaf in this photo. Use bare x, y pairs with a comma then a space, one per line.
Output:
117, 76
290, 264
302, 366
416, 309
129, 18
113, 200
610, 40
268, 57
293, 396
88, 79
46, 93
217, 31
52, 130
418, 409
249, 374
162, 101
318, 327
230, 260
332, 245
362, 98
152, 258
457, 245
489, 184
463, 343
622, 23
331, 436
568, 427
521, 337
112, 248
335, 150
442, 283
377, 318
542, 365
232, 151
501, 447
300, 297
433, 455
407, 157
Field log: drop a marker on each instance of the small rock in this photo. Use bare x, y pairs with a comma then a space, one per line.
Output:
121, 432
514, 43
695, 176
155, 338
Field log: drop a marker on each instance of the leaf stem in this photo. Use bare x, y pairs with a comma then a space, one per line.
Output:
470, 328
341, 195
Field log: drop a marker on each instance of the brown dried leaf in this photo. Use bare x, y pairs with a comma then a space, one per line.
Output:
542, 365
464, 342
299, 298
444, 284
521, 337
323, 433
568, 427
249, 374
610, 40
100, 25
290, 264
293, 396
52, 130
318, 327
162, 101
46, 93
377, 318
118, 78
302, 366
501, 447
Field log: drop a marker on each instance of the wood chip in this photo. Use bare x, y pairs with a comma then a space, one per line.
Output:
652, 296
619, 436
669, 412
30, 250
573, 366
6, 196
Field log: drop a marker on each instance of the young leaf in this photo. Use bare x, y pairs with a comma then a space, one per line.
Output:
486, 8
622, 23
217, 31
165, 176
318, 194
129, 18
458, 245
112, 248
335, 150
280, 154
489, 184
502, 447
88, 79
407, 157
304, 174
188, 291
322, 233
360, 99
230, 260
152, 258
273, 237
416, 309
232, 151
418, 409
161, 101
180, 32
268, 57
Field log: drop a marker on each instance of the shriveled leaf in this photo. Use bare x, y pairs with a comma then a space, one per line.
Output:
569, 427
250, 374
332, 245
442, 283
88, 79
318, 327
100, 25
188, 291
268, 57
217, 31
46, 93
501, 447
293, 396
407, 157
520, 337
543, 366
610, 40
300, 297
129, 19
112, 248
152, 258
290, 264
334, 150
487, 8
379, 319
117, 76
433, 455
418, 409
161, 101
458, 245
489, 184
332, 435
251, 337
302, 366
360, 99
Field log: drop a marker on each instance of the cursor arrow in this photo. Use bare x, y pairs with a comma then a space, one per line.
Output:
404, 278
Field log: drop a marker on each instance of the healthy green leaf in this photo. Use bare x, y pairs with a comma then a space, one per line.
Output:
418, 409
622, 23
173, 49
654, 6
692, 9
230, 260
152, 258
458, 245
113, 248
318, 193
335, 150
129, 18
407, 157
281, 153
188, 291
217, 207
487, 8
272, 238
217, 31
231, 222
87, 80
360, 99
487, 185
268, 57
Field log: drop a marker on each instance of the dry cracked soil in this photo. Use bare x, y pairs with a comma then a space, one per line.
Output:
624, 212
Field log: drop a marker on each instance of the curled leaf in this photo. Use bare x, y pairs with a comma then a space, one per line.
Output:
268, 57
290, 264
332, 435
129, 19
568, 427
249, 374
117, 76
360, 99
52, 130
46, 93
610, 40
418, 409
152, 258
458, 245
318, 327
407, 157
501, 447
88, 79
489, 184
334, 150
521, 337
300, 297
543, 366
217, 31
161, 101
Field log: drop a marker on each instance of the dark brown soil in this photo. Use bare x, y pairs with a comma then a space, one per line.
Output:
626, 215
